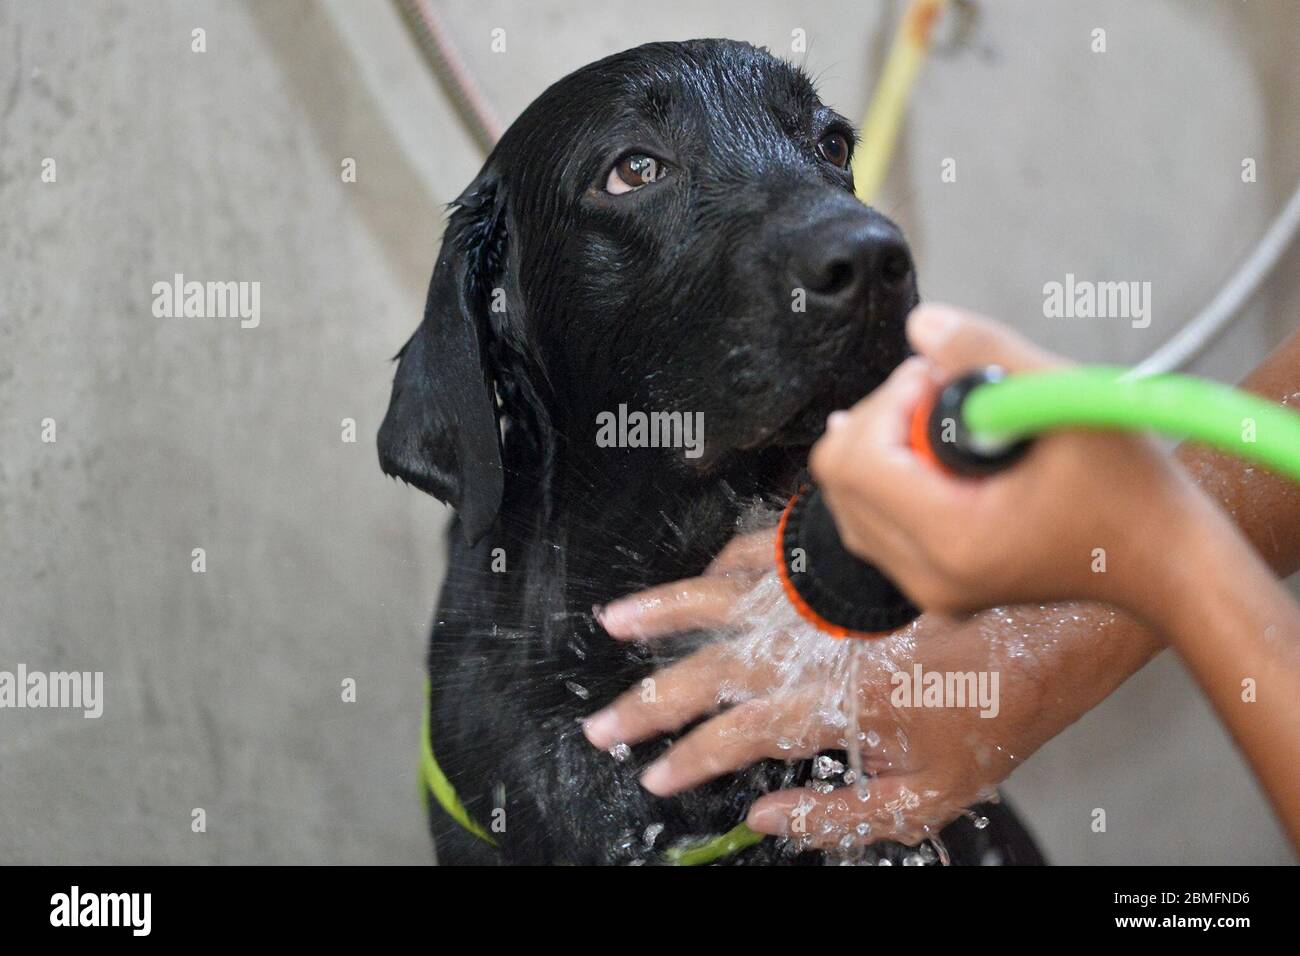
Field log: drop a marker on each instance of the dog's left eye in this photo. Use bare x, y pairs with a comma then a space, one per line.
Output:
632, 172
834, 148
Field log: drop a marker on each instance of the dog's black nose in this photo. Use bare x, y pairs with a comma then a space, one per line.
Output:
840, 262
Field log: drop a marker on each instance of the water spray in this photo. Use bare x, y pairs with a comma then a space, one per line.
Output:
984, 422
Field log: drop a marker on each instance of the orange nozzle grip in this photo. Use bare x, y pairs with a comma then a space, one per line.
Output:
804, 609
918, 435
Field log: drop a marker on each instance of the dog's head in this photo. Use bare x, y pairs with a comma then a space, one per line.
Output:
673, 229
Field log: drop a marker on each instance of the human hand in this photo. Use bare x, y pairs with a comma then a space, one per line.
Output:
707, 601
1082, 515
778, 689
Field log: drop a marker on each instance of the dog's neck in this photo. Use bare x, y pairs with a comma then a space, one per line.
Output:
612, 522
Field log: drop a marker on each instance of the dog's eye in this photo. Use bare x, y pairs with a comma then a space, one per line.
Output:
834, 148
632, 172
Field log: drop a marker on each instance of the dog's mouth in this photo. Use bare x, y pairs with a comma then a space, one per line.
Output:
863, 357
841, 389
865, 361
807, 424
786, 447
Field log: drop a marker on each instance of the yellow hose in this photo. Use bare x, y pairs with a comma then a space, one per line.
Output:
889, 101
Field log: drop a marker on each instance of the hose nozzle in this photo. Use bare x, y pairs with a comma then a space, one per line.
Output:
834, 590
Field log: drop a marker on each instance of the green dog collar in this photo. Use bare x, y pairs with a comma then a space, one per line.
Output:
436, 784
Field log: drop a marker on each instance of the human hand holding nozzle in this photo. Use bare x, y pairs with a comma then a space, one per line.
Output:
1081, 515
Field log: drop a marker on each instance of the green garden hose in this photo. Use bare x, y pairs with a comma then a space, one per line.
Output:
1180, 406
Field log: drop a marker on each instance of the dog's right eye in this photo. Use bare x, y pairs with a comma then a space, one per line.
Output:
632, 172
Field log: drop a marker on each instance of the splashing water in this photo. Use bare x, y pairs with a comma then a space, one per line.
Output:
842, 687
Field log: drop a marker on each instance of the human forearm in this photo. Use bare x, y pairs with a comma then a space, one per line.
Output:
1264, 507
1238, 631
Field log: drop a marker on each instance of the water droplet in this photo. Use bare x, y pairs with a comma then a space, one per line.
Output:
825, 767
980, 822
872, 739
651, 834
577, 688
620, 752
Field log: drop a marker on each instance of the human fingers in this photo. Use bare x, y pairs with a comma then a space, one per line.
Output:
672, 697
691, 604
904, 808
957, 340
781, 726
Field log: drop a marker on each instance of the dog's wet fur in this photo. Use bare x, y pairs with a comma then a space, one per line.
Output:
553, 301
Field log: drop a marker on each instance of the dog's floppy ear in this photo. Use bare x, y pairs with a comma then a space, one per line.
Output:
441, 432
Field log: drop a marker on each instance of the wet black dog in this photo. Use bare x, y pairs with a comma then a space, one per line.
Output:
671, 229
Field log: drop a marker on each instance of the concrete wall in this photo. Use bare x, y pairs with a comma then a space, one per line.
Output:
223, 688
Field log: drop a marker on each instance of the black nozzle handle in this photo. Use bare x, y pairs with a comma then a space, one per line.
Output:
842, 592
953, 444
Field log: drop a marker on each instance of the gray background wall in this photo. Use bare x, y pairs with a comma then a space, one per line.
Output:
223, 688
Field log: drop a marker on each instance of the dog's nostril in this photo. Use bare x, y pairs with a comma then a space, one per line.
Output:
835, 277
896, 265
